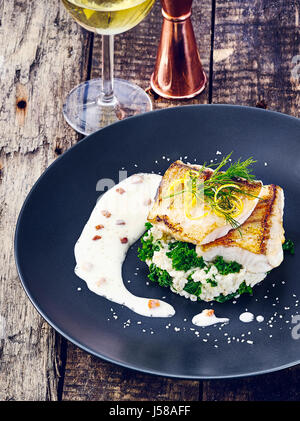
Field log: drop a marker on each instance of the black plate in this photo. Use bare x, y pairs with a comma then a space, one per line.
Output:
61, 201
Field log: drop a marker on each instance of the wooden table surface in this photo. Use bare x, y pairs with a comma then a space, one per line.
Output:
251, 52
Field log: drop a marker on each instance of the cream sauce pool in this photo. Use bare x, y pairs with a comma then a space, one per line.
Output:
208, 318
246, 317
117, 222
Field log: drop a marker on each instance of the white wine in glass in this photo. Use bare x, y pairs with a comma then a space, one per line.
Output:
99, 102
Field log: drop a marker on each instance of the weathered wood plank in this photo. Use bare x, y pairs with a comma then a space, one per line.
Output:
41, 59
90, 379
255, 43
279, 386
135, 51
256, 51
87, 378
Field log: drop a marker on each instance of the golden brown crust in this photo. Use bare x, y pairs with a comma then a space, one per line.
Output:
255, 231
177, 170
168, 212
166, 221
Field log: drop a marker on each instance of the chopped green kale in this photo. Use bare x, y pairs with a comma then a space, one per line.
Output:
212, 282
224, 268
289, 246
184, 256
162, 277
148, 226
243, 288
148, 245
193, 287
189, 278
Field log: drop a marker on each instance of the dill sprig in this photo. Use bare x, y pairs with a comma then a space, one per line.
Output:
238, 169
207, 189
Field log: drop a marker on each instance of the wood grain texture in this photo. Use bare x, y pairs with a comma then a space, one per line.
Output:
254, 46
135, 51
255, 53
43, 54
88, 378
41, 59
280, 386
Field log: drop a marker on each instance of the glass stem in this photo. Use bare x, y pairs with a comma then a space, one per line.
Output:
107, 94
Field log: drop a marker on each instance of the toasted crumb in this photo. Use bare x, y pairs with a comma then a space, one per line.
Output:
153, 303
137, 179
106, 213
100, 282
208, 313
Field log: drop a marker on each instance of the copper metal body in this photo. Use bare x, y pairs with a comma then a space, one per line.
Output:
178, 72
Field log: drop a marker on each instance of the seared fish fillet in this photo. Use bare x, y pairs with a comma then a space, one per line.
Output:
168, 213
259, 249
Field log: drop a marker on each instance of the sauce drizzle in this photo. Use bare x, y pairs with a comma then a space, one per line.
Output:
207, 318
99, 263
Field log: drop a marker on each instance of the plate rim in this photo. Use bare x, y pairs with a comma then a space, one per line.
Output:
76, 342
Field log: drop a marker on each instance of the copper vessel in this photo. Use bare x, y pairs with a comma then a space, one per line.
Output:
178, 72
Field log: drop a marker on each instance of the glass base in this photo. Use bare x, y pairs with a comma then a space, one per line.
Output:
86, 113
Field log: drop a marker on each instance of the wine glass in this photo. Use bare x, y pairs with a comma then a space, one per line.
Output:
98, 102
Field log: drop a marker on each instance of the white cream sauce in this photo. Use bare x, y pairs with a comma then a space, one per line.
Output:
119, 220
207, 318
246, 317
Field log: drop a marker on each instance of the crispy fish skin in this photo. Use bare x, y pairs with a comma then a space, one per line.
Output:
168, 213
258, 245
